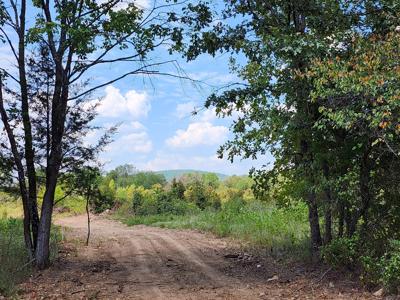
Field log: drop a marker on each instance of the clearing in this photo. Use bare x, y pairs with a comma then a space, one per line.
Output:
154, 263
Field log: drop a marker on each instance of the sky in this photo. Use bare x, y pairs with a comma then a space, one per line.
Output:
157, 130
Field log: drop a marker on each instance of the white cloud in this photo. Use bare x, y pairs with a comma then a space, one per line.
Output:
184, 110
114, 104
134, 142
208, 115
132, 138
198, 133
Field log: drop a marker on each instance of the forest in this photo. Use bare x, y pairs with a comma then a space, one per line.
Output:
318, 89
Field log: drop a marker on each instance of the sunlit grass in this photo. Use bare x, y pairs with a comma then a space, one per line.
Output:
281, 231
11, 209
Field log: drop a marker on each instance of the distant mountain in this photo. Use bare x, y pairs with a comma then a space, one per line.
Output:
171, 174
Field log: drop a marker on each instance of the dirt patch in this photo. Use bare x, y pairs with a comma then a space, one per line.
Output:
152, 263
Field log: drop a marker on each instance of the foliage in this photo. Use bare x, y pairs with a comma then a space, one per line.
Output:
342, 253
127, 175
281, 231
321, 93
14, 266
48, 111
383, 270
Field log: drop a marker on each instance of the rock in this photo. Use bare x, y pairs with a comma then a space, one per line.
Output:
258, 266
379, 293
273, 278
262, 294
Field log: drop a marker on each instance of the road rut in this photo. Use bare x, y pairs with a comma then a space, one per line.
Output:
146, 263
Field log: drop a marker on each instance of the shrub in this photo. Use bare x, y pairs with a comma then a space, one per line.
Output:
14, 264
390, 265
341, 253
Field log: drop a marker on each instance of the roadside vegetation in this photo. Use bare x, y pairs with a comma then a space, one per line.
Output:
14, 265
275, 219
227, 208
318, 88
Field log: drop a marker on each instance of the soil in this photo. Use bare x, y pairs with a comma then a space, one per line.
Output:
143, 262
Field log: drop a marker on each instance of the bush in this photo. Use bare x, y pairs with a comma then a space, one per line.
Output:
14, 264
391, 269
375, 270
385, 270
341, 253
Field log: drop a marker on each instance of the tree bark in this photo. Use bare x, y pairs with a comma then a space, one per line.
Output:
29, 151
59, 108
313, 218
328, 206
365, 192
88, 220
42, 253
341, 220
21, 175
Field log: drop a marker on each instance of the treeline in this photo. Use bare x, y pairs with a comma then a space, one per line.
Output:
321, 93
148, 193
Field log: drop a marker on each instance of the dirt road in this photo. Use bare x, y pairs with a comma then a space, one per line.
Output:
152, 263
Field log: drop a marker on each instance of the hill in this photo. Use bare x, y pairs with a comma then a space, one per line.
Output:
171, 174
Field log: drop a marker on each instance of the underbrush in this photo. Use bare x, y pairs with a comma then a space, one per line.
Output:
280, 231
73, 205
376, 268
14, 262
10, 207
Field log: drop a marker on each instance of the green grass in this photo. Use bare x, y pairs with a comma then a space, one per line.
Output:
14, 262
73, 205
280, 231
11, 209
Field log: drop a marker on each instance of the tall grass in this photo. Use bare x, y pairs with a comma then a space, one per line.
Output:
14, 262
280, 231
10, 209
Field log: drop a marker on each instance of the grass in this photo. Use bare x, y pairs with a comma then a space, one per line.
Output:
14, 264
73, 205
10, 209
280, 231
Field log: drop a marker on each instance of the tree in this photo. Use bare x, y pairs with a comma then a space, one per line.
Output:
280, 40
85, 182
79, 36
177, 189
358, 95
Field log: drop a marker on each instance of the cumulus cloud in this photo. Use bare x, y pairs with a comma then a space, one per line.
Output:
132, 138
198, 133
115, 104
184, 110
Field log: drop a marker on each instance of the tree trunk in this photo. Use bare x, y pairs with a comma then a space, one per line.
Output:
364, 186
59, 108
42, 254
341, 220
88, 220
313, 219
351, 222
21, 175
29, 151
328, 206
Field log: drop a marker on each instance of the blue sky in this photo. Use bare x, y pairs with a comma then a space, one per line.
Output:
157, 130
